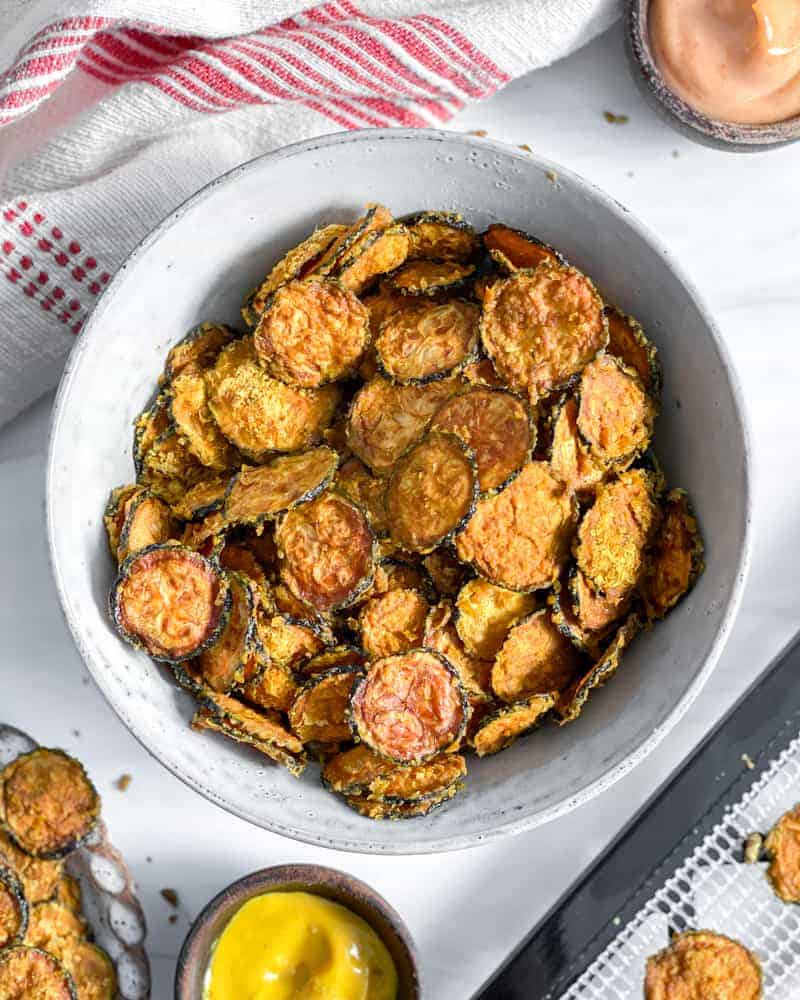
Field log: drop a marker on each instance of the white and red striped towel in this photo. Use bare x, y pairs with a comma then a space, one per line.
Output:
112, 112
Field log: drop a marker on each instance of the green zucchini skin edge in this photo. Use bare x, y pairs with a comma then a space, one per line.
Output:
295, 765
358, 251
350, 242
343, 648
69, 847
136, 501
584, 642
509, 709
197, 331
697, 554
201, 512
209, 563
158, 402
428, 588
530, 239
458, 284
393, 811
10, 881
66, 979
653, 362
250, 642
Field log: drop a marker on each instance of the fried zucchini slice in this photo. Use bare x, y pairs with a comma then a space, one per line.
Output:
206, 536
202, 499
481, 372
418, 783
377, 254
445, 570
148, 521
68, 892
48, 803
260, 414
535, 659
430, 277
169, 468
326, 551
385, 419
198, 349
393, 622
292, 265
497, 425
615, 414
485, 613
352, 772
565, 620
498, 730
340, 656
313, 331
148, 428
13, 909
241, 559
290, 641
676, 559
570, 458
782, 846
376, 217
52, 926
614, 534
114, 513
440, 236
223, 664
40, 878
192, 419
627, 341
431, 492
319, 712
271, 687
256, 495
402, 810
170, 601
518, 248
356, 482
431, 342
441, 634
703, 964
594, 612
541, 327
32, 974
519, 537
409, 707
91, 969
396, 574
574, 698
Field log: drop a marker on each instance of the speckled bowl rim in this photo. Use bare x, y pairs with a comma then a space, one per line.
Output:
601, 784
273, 879
730, 136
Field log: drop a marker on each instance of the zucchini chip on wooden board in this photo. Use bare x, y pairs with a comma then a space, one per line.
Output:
430, 277
703, 964
500, 729
32, 974
393, 622
541, 327
614, 534
497, 425
266, 734
223, 664
535, 659
192, 419
615, 413
312, 332
570, 457
440, 236
13, 909
326, 551
48, 803
170, 601
40, 878
338, 656
148, 521
260, 414
356, 482
782, 846
431, 492
676, 559
375, 255
198, 349
519, 538
441, 634
371, 809
420, 345
409, 707
571, 702
627, 341
486, 612
256, 495
385, 419
319, 711
518, 248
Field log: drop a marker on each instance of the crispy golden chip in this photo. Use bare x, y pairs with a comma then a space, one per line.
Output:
615, 414
615, 532
32, 974
541, 327
352, 771
376, 217
481, 372
676, 559
570, 458
292, 265
419, 782
256, 495
40, 878
383, 304
260, 414
148, 428
193, 421
288, 604
386, 419
783, 848
574, 698
52, 926
485, 613
441, 634
223, 663
198, 349
446, 571
289, 641
271, 686
148, 521
319, 710
313, 331
500, 729
326, 551
376, 254
497, 425
535, 659
68, 892
202, 499
401, 810
431, 492
565, 620
409, 706
396, 574
627, 341
519, 538
356, 482
440, 236
518, 248
241, 559
339, 656
703, 964
49, 804
169, 468
594, 612
206, 536
393, 622
170, 601
13, 909
428, 343
91, 969
114, 513
430, 277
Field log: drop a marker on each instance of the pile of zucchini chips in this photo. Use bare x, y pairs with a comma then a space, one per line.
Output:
412, 512
48, 808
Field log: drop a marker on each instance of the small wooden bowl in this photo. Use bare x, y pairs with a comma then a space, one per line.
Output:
327, 882
680, 115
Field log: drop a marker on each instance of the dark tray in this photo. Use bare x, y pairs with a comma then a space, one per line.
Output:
665, 831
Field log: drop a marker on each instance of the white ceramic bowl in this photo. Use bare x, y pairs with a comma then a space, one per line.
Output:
198, 265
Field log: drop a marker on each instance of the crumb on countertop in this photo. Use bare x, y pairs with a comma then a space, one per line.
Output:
675, 154
614, 119
480, 132
123, 781
171, 896
552, 176
173, 918
752, 848
525, 146
747, 760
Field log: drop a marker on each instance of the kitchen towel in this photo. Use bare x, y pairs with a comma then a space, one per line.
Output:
112, 112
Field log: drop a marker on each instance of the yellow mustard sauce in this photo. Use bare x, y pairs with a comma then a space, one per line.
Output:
298, 946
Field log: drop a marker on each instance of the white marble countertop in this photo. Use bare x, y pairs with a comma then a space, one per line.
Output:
734, 221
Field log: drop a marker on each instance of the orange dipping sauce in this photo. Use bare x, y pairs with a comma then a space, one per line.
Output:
733, 60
